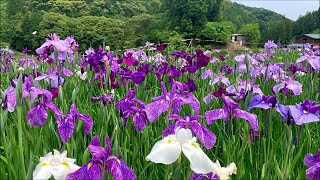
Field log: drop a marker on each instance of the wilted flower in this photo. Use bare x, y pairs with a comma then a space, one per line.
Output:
102, 161
56, 165
218, 172
313, 163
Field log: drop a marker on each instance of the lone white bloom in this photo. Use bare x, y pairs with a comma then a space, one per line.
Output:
168, 150
34, 32
82, 76
57, 165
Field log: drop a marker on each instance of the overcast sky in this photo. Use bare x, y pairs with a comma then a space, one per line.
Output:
291, 9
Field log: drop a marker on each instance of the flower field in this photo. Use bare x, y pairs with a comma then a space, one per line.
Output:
159, 113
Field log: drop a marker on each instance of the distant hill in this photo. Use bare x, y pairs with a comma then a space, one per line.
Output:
272, 25
309, 23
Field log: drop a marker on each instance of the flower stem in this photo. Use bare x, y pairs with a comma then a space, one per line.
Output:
20, 141
177, 169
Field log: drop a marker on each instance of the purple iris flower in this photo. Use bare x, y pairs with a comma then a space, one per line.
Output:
37, 116
52, 77
207, 74
209, 176
294, 68
227, 69
191, 122
288, 83
229, 111
269, 46
28, 62
313, 60
66, 125
267, 102
220, 78
160, 47
240, 91
10, 100
104, 98
263, 102
128, 107
191, 85
55, 41
313, 163
171, 101
179, 54
306, 112
202, 60
129, 59
216, 94
139, 115
102, 161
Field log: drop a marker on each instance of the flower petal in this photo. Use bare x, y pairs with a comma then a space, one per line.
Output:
155, 109
204, 135
87, 122
53, 108
165, 151
89, 170
300, 117
66, 127
140, 120
61, 171
199, 161
42, 171
37, 116
213, 115
251, 118
119, 170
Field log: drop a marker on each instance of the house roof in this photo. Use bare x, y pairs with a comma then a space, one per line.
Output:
237, 35
313, 36
295, 45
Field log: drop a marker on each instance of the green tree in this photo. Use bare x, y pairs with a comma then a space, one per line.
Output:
218, 31
252, 32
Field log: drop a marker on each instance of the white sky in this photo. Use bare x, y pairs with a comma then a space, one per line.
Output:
291, 9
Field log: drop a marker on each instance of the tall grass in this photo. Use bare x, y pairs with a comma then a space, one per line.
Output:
272, 156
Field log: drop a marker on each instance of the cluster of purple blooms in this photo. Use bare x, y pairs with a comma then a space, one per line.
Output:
110, 71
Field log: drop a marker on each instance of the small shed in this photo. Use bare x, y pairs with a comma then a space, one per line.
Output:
238, 39
313, 39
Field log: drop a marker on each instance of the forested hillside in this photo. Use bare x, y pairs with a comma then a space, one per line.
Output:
129, 23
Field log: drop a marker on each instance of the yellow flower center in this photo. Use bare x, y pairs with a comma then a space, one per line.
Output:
304, 111
89, 165
118, 160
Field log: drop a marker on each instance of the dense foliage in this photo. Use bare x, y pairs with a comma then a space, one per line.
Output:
125, 24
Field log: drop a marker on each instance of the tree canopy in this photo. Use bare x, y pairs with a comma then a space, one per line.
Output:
126, 24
